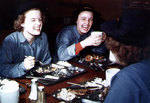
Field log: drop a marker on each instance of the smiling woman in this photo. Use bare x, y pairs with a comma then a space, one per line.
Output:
85, 16
28, 40
32, 24
73, 39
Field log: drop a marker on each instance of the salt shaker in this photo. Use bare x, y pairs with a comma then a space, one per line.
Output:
33, 92
41, 95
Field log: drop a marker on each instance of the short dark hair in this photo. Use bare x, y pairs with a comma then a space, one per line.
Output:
82, 7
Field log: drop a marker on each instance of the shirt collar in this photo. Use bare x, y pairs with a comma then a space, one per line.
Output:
76, 31
23, 39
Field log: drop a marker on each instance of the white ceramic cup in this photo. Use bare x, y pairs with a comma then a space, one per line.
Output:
112, 57
9, 92
110, 73
97, 33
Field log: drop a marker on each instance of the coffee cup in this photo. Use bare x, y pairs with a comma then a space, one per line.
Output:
9, 92
110, 73
98, 34
112, 57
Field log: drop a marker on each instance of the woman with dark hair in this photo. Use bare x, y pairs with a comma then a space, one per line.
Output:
22, 48
129, 41
74, 39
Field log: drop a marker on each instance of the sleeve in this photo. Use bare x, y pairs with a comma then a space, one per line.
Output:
78, 48
65, 45
7, 66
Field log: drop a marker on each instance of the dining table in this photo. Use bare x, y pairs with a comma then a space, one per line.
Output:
49, 89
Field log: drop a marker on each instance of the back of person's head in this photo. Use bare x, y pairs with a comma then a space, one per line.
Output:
129, 38
23, 8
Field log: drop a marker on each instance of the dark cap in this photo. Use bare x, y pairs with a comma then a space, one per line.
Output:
29, 5
133, 28
84, 7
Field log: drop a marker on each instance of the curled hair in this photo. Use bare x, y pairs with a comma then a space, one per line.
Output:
18, 22
20, 19
127, 54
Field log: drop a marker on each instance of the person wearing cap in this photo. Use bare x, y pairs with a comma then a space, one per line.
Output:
73, 39
129, 41
21, 49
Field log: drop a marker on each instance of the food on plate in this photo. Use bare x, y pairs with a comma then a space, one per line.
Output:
91, 57
97, 82
43, 70
78, 91
65, 95
95, 89
88, 58
97, 57
64, 63
48, 68
53, 69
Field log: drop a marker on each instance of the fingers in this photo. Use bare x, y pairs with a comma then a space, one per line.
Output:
96, 40
93, 40
29, 62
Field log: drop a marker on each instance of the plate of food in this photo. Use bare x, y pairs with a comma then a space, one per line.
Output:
93, 90
94, 61
56, 72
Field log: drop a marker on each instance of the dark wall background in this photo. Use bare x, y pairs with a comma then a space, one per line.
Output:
59, 14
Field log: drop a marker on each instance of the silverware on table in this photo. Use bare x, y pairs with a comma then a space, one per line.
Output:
27, 84
84, 86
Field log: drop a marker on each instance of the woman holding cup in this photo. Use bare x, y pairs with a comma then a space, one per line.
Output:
73, 39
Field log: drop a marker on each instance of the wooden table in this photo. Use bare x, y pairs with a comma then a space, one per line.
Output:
53, 88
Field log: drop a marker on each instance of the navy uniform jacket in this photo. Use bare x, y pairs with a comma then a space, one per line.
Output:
14, 49
66, 40
131, 84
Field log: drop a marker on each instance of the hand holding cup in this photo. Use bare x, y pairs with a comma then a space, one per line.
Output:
95, 39
99, 35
